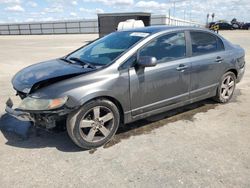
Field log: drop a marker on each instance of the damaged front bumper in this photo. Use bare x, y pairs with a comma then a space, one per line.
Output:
16, 113
44, 119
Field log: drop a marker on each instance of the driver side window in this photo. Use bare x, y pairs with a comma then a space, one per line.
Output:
166, 48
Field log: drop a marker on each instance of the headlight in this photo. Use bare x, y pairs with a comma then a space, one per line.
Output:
42, 104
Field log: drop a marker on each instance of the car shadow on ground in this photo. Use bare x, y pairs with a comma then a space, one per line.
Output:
23, 134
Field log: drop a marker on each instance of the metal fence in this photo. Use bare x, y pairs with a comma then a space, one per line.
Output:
57, 27
77, 26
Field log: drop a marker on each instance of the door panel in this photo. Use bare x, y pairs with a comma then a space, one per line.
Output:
206, 63
205, 73
155, 87
165, 84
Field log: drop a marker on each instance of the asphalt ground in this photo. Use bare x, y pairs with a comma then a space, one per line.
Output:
201, 145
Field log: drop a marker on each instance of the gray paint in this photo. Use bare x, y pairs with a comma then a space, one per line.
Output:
152, 90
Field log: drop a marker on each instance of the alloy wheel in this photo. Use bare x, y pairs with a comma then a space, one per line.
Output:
96, 124
227, 87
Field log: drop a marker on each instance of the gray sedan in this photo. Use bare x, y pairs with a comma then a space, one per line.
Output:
126, 76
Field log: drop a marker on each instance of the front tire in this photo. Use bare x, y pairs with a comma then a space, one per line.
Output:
94, 124
226, 88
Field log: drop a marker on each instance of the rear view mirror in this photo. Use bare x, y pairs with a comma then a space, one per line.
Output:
147, 61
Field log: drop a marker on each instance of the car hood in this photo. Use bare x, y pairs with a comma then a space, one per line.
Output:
41, 74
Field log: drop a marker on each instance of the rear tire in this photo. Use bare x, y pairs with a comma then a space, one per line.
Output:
94, 124
226, 88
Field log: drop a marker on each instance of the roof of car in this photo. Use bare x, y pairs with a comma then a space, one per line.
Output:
156, 29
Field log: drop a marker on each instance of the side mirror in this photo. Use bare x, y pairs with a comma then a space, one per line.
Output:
146, 61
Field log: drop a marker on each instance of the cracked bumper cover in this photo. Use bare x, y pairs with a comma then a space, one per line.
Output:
46, 117
21, 115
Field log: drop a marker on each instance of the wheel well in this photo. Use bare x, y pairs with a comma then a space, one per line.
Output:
116, 102
233, 71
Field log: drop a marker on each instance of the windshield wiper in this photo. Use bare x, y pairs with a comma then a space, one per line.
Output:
83, 62
66, 60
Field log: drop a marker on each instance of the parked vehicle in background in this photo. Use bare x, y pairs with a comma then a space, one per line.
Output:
236, 24
126, 76
220, 25
210, 24
224, 26
246, 26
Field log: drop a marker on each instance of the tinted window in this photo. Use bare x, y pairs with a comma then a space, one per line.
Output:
166, 48
203, 43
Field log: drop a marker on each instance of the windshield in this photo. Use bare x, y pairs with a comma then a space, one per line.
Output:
105, 50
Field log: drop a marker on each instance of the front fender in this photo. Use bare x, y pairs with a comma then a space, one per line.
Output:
97, 94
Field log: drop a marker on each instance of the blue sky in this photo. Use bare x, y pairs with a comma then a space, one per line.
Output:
48, 10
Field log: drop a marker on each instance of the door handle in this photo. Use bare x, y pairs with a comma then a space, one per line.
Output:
219, 59
181, 67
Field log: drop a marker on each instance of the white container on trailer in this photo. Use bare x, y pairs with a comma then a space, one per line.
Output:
130, 24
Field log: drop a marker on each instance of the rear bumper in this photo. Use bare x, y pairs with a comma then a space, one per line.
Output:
240, 74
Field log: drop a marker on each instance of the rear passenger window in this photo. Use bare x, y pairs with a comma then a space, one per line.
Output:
166, 48
203, 43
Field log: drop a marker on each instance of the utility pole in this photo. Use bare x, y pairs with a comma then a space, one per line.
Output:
169, 22
207, 18
213, 15
174, 5
190, 9
174, 10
